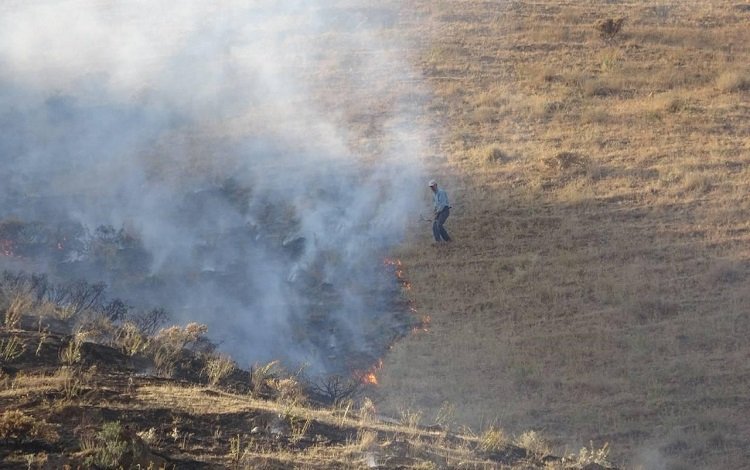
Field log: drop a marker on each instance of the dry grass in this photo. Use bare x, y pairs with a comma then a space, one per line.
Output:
217, 368
602, 298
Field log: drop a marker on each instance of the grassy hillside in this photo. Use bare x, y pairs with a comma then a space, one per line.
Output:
598, 284
104, 397
596, 291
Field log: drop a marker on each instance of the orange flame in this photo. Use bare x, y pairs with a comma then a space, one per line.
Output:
369, 376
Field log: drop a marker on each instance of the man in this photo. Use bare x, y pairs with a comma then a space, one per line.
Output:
442, 211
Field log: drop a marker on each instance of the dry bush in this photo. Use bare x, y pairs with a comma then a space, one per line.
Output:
11, 348
609, 28
217, 367
299, 428
20, 304
73, 381
130, 339
563, 161
261, 375
100, 329
71, 352
446, 415
165, 360
492, 153
179, 338
366, 439
588, 456
533, 443
700, 183
733, 81
410, 418
493, 440
367, 410
602, 86
288, 390
17, 426
167, 346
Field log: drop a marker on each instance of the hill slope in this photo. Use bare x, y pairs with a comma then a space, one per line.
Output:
597, 287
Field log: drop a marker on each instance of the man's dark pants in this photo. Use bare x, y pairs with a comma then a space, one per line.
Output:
437, 226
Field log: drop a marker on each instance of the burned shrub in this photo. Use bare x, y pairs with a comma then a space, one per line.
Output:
333, 389
150, 321
171, 347
609, 28
118, 252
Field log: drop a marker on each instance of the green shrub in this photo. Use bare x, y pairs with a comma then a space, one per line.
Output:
110, 447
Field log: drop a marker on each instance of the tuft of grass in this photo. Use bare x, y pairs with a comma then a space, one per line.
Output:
11, 348
217, 367
590, 456
71, 353
130, 339
260, 375
533, 442
733, 80
20, 304
493, 440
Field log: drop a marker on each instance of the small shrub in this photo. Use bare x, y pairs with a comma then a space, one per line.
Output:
299, 429
493, 440
180, 338
366, 439
533, 443
165, 361
588, 456
217, 368
564, 161
601, 87
71, 353
130, 339
260, 375
110, 447
336, 388
367, 410
492, 153
446, 415
411, 418
289, 390
168, 344
609, 28
72, 382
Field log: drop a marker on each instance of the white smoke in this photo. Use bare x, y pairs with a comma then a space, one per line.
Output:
224, 136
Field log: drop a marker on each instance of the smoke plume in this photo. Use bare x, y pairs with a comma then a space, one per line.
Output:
243, 164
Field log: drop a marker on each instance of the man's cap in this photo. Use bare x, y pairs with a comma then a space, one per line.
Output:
432, 183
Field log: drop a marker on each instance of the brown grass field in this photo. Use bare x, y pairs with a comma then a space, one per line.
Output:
598, 285
596, 292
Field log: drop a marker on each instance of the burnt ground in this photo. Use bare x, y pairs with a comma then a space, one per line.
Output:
56, 415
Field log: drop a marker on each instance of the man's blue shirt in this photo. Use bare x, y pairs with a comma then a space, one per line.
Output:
440, 198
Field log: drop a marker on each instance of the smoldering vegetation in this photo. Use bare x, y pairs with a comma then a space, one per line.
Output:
188, 158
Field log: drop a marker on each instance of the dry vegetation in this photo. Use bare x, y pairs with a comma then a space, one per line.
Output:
103, 411
598, 285
596, 291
